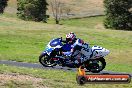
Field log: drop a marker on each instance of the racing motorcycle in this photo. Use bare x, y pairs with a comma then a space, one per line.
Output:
53, 56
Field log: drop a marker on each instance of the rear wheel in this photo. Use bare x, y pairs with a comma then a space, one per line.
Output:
46, 61
96, 65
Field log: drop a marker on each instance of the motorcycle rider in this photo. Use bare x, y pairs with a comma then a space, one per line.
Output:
76, 46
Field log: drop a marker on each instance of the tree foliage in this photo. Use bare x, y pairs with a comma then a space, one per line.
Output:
32, 10
118, 14
3, 4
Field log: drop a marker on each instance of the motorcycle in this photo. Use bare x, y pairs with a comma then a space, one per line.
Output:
53, 56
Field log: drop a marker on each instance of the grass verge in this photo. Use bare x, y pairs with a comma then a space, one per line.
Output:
50, 79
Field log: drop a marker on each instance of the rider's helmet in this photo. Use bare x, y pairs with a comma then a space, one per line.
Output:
71, 37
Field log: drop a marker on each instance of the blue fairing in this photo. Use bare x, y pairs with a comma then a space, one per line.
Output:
49, 49
55, 42
67, 47
52, 45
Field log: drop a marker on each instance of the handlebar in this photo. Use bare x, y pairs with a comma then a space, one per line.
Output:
64, 41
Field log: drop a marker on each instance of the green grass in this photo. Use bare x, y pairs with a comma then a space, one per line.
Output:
51, 79
84, 22
25, 40
17, 84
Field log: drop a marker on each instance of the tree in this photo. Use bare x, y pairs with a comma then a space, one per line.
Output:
59, 9
56, 10
3, 4
32, 10
118, 14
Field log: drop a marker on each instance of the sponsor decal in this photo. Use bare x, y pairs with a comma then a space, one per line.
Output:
108, 78
83, 78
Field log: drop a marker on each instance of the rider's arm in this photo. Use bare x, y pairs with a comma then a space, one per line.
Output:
77, 45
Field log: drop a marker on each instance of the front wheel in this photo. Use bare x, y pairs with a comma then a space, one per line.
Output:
46, 61
96, 65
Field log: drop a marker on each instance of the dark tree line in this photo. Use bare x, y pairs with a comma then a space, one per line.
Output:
32, 10
3, 4
118, 14
29, 9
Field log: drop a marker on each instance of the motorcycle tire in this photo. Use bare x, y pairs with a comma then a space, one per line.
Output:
102, 60
43, 58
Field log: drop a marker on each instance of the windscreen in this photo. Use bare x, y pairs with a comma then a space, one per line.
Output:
55, 42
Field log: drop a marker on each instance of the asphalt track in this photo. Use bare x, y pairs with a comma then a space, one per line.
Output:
39, 66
